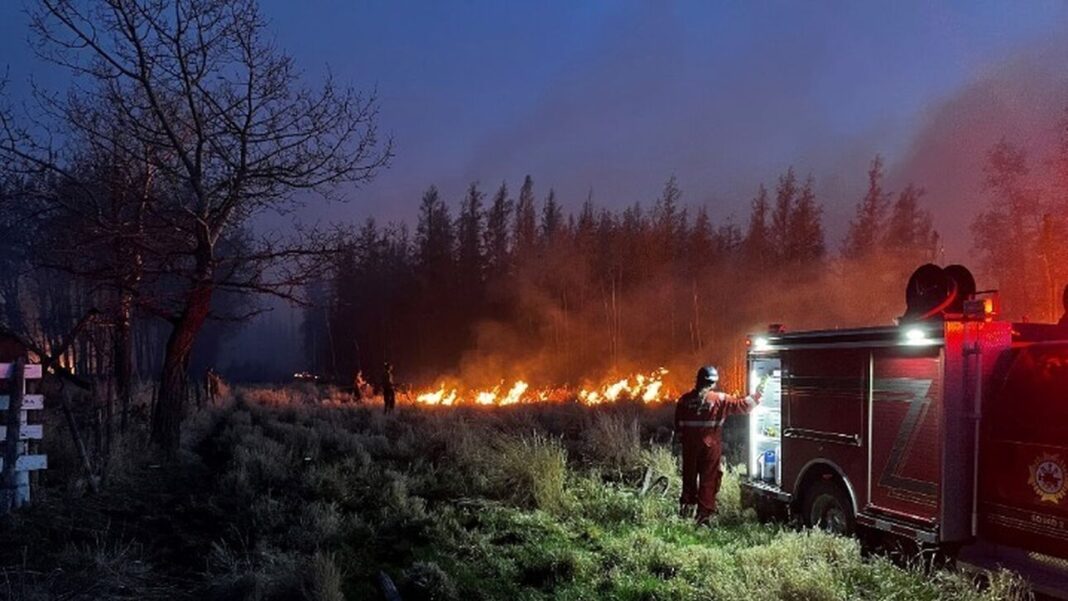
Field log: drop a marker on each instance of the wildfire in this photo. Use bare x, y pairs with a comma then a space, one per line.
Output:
647, 388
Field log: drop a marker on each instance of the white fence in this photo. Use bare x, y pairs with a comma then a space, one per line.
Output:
23, 403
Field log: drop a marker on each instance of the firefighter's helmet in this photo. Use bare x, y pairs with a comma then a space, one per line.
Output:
707, 376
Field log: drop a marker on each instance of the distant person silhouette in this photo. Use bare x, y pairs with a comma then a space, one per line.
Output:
213, 382
357, 385
389, 395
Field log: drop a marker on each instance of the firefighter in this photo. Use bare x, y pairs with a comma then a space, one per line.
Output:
357, 385
389, 395
699, 417
213, 382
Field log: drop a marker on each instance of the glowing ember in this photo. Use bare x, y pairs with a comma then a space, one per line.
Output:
647, 388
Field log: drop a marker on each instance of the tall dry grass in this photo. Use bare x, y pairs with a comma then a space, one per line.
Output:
281, 496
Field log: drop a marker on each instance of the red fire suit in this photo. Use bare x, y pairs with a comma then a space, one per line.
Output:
699, 422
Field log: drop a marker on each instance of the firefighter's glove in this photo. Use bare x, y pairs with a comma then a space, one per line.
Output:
763, 382
760, 387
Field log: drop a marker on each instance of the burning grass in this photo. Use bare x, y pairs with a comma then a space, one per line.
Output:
647, 388
533, 501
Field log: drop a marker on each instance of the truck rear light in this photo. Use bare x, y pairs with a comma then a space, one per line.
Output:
984, 307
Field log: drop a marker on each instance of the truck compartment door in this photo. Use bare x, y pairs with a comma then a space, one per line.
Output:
906, 432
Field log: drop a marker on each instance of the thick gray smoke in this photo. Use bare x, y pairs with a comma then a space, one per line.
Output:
1023, 100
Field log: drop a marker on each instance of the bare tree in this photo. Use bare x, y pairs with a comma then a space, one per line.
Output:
219, 117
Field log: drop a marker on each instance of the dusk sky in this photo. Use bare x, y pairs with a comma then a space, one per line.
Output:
619, 96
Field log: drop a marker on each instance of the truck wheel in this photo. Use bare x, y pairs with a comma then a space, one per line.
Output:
827, 506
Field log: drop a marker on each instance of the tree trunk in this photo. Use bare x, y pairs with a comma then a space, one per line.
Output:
124, 358
167, 419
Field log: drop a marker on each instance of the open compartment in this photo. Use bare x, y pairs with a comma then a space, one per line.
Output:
765, 421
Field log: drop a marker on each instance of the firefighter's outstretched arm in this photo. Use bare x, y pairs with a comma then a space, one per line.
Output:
740, 406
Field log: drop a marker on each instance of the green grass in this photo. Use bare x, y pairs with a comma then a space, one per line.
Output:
287, 499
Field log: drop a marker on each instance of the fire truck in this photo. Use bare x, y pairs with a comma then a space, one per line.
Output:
947, 431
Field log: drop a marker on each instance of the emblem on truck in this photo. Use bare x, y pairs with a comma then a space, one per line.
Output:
1047, 478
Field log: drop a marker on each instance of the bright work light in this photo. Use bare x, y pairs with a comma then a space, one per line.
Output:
915, 336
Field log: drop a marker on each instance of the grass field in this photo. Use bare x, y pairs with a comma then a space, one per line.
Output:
281, 496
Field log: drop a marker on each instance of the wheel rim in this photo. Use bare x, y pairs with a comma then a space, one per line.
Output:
828, 514
835, 520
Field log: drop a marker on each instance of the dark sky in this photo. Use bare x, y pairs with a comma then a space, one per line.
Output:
618, 96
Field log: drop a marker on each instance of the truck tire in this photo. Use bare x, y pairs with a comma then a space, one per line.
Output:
827, 506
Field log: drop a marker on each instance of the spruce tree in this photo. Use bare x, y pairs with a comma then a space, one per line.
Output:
470, 234
910, 236
757, 245
865, 229
497, 237
434, 236
552, 219
526, 229
586, 225
781, 217
1005, 233
666, 212
701, 242
805, 242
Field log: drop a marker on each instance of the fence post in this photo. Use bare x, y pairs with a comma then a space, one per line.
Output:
11, 480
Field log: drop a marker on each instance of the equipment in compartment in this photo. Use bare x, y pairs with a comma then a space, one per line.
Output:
765, 421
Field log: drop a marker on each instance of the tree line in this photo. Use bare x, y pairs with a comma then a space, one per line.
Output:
512, 285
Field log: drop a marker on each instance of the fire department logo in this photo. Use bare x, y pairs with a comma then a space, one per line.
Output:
1048, 478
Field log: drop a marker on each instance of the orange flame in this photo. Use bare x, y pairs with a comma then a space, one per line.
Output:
646, 388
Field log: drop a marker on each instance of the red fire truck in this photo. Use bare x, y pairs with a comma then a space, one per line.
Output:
948, 430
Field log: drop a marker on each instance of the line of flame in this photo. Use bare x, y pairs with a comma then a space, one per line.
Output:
647, 388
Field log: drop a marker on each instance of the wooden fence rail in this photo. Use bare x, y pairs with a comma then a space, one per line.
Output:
15, 481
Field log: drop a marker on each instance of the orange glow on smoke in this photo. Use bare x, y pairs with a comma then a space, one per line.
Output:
646, 388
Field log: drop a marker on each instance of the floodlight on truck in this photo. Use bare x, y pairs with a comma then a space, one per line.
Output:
916, 337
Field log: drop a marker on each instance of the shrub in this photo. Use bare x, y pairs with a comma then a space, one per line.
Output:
613, 442
319, 526
426, 581
531, 471
322, 579
662, 469
252, 573
106, 567
606, 504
